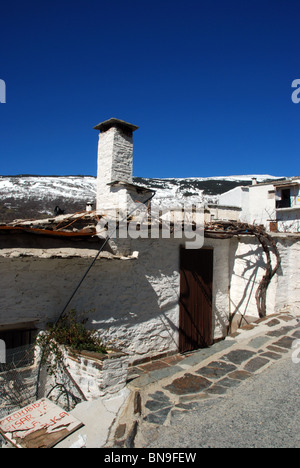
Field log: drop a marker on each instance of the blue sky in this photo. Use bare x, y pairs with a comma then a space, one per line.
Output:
207, 82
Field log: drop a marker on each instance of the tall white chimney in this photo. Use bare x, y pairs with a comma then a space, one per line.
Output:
115, 162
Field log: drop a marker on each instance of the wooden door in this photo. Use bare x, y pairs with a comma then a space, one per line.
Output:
196, 283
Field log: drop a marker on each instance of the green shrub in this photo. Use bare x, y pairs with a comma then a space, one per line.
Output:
70, 331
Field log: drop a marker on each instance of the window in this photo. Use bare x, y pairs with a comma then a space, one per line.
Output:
285, 201
271, 194
19, 346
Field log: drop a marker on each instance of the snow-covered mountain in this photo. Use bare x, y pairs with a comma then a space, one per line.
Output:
30, 196
197, 189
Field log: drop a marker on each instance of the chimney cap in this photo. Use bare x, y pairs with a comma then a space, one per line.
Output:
113, 122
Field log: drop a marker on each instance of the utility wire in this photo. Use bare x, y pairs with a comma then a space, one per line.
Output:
82, 280
97, 255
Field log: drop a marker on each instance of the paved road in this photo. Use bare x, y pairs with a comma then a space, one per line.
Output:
262, 412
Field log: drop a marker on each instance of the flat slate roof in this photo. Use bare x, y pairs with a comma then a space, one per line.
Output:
113, 122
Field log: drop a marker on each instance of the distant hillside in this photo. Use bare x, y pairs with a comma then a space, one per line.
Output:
30, 196
37, 196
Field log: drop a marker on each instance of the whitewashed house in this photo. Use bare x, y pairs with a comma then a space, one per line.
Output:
274, 204
145, 295
256, 202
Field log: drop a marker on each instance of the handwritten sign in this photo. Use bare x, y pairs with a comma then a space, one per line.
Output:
39, 425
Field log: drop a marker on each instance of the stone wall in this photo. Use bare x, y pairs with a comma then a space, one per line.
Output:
98, 377
114, 163
135, 303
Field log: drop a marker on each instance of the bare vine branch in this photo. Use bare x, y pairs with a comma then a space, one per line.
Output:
229, 229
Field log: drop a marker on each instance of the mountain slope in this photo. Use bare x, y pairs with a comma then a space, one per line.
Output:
37, 196
29, 196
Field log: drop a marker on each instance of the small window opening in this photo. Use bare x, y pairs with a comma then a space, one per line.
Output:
19, 346
285, 201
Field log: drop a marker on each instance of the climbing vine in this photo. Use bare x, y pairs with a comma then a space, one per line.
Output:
70, 332
229, 229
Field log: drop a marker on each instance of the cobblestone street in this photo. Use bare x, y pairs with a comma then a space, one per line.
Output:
173, 388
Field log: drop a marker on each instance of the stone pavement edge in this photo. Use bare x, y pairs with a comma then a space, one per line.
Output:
161, 390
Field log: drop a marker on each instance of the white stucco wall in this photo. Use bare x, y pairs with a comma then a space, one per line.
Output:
238, 197
248, 268
261, 208
288, 219
134, 303
256, 202
287, 282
